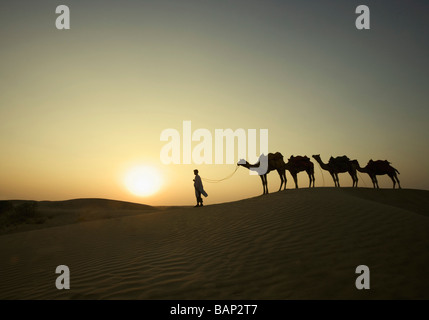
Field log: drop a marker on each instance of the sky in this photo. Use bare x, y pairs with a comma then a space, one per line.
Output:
79, 108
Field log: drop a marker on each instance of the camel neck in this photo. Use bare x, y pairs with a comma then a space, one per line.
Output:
360, 169
249, 166
322, 164
256, 165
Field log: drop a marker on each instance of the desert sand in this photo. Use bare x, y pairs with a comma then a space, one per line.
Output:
293, 244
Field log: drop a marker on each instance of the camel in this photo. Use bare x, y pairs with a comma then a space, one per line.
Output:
275, 162
298, 164
379, 168
338, 165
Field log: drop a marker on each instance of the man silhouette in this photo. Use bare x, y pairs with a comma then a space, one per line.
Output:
199, 190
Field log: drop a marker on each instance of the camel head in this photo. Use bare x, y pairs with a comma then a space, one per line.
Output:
316, 156
357, 166
242, 162
355, 163
287, 165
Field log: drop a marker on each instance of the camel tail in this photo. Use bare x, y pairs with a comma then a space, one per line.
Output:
396, 171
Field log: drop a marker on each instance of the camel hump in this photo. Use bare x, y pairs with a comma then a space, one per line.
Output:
299, 159
275, 156
379, 164
339, 159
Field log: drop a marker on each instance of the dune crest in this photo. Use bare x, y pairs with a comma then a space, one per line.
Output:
44, 214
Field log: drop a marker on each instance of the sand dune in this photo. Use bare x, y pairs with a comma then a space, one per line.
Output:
57, 213
294, 244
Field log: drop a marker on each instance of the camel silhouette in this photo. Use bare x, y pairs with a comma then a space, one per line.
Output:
298, 164
379, 168
274, 161
338, 165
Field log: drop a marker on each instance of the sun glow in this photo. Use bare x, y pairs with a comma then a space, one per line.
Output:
143, 181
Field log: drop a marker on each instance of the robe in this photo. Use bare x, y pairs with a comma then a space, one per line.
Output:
198, 185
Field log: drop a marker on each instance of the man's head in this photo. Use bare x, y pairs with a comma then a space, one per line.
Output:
195, 171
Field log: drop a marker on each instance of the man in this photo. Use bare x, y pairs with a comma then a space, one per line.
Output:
198, 185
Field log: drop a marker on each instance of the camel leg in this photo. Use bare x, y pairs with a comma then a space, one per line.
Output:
338, 180
376, 182
354, 179
333, 178
399, 184
396, 177
373, 181
266, 183
393, 180
263, 184
285, 180
295, 179
282, 179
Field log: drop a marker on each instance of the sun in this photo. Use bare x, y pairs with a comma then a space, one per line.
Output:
143, 181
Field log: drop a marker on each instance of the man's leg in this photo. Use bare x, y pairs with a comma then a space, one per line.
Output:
198, 196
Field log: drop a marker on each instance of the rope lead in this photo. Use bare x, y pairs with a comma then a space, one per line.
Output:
216, 181
323, 177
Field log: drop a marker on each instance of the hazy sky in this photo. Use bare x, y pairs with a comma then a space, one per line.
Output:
79, 107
